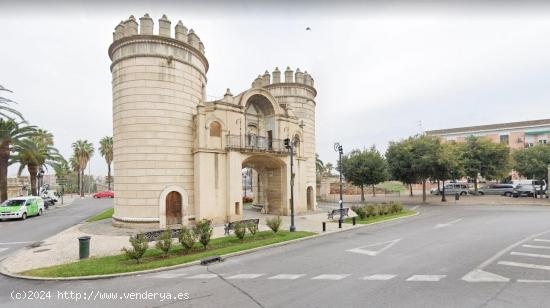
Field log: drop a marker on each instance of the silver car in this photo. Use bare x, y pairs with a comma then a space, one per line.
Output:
497, 189
452, 188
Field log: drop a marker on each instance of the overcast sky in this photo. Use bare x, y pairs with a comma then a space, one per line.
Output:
383, 72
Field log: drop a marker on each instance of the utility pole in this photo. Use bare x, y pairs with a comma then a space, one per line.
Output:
290, 146
338, 148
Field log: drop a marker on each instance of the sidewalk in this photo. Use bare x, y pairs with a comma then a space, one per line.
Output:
109, 240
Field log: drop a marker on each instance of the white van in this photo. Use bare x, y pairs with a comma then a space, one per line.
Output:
541, 184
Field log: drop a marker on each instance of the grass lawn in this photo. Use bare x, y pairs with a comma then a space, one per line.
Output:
154, 259
108, 213
377, 218
391, 186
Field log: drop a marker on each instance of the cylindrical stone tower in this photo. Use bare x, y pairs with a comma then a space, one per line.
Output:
158, 81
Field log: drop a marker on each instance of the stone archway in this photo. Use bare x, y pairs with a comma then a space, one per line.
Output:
310, 199
269, 180
173, 208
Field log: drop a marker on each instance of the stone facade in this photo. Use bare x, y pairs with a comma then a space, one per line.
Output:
179, 158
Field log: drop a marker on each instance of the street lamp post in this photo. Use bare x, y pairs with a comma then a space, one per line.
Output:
338, 148
290, 146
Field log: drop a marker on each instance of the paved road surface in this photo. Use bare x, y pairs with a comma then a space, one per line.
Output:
449, 256
15, 234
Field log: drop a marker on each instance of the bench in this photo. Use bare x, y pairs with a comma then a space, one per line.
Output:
257, 206
152, 236
231, 225
336, 212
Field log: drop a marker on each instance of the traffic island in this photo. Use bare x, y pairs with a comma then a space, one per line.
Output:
380, 218
154, 258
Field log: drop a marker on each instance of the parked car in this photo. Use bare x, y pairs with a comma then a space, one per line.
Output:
530, 182
451, 189
21, 207
527, 190
497, 189
104, 194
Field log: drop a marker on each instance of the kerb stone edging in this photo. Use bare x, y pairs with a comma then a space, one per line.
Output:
6, 272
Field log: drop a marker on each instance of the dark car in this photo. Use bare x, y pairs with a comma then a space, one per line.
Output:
497, 189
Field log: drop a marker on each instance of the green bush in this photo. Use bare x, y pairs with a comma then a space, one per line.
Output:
187, 238
240, 230
274, 223
396, 207
371, 210
360, 211
203, 230
139, 247
252, 228
164, 243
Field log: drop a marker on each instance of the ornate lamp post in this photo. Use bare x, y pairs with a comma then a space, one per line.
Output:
290, 146
338, 148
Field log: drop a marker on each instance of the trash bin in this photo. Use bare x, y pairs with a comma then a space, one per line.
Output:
84, 247
457, 196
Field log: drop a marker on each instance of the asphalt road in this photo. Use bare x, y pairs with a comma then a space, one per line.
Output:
15, 234
448, 256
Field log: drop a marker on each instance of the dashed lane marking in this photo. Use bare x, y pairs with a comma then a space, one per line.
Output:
525, 265
541, 240
287, 276
429, 278
17, 243
534, 255
533, 281
330, 277
479, 275
3, 249
169, 275
202, 276
379, 277
245, 276
536, 246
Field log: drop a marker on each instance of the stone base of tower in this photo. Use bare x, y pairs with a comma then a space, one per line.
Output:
135, 223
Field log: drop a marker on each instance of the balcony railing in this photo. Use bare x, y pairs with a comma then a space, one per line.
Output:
255, 143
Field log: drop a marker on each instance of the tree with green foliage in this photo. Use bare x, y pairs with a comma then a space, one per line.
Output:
319, 165
365, 167
424, 150
83, 152
106, 150
481, 157
449, 164
6, 111
11, 132
400, 163
532, 162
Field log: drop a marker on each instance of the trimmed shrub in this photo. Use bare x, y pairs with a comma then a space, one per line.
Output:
240, 231
139, 247
203, 230
371, 210
274, 223
360, 211
396, 207
187, 238
252, 228
164, 243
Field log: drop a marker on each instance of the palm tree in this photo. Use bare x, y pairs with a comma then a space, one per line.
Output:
10, 133
6, 111
34, 156
106, 150
83, 151
42, 136
73, 161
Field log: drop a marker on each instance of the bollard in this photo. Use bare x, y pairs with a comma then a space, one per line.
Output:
457, 196
353, 220
84, 247
324, 226
340, 223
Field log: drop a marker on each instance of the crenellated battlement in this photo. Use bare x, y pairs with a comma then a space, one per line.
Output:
289, 77
131, 27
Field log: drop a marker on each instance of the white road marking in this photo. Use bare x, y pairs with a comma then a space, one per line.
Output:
287, 276
245, 276
533, 281
541, 240
479, 275
330, 277
534, 255
414, 208
525, 265
447, 223
379, 277
202, 276
536, 246
431, 278
385, 245
3, 249
169, 275
16, 243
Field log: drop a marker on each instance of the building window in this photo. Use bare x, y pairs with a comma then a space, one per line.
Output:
215, 129
543, 141
504, 139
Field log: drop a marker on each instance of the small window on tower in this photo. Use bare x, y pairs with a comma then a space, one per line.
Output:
215, 129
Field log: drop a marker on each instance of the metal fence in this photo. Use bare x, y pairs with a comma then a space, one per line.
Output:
255, 143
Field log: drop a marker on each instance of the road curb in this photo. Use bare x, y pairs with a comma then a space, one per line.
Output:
4, 271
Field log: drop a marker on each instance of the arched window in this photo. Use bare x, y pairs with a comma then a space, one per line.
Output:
215, 129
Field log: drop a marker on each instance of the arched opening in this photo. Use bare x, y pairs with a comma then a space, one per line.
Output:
173, 208
259, 122
310, 199
264, 184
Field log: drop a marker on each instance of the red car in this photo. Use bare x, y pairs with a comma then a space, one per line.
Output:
104, 194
